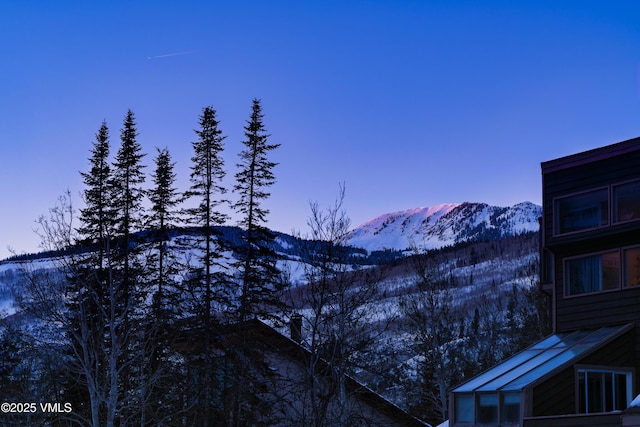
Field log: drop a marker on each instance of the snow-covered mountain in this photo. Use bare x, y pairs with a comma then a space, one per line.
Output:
444, 225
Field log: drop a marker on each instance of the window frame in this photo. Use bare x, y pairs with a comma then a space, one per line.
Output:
556, 210
625, 272
474, 398
478, 406
628, 372
565, 272
614, 206
455, 409
623, 282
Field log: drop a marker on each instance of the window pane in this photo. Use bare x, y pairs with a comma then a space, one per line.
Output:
582, 392
621, 398
488, 408
626, 202
464, 408
610, 271
595, 392
592, 273
582, 211
608, 391
632, 267
510, 409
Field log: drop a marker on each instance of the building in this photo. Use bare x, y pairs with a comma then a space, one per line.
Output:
279, 367
585, 373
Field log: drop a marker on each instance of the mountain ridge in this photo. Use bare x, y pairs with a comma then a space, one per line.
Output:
442, 225
422, 228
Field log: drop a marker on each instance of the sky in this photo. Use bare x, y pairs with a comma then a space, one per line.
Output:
405, 103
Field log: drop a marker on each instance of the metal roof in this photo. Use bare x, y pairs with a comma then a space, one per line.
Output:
536, 362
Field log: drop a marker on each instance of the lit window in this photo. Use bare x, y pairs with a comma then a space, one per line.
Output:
603, 390
582, 211
626, 202
593, 273
632, 267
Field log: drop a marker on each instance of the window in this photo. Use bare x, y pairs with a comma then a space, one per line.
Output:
510, 408
593, 273
602, 390
632, 266
582, 211
464, 409
626, 202
487, 408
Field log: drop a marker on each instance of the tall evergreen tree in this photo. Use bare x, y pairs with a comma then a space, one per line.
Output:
126, 295
258, 273
209, 280
164, 198
90, 278
207, 173
159, 368
127, 196
126, 186
96, 217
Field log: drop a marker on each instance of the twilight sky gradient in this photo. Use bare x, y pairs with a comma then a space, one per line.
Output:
409, 103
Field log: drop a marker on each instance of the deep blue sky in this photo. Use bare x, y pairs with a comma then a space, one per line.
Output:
409, 103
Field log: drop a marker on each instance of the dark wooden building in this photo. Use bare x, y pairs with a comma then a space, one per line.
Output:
585, 372
277, 369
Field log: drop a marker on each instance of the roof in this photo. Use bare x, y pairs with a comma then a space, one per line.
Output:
289, 348
589, 156
535, 363
266, 338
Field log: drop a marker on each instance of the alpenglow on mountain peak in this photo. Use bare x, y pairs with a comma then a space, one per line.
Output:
443, 225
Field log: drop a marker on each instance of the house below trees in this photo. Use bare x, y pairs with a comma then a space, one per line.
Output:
277, 372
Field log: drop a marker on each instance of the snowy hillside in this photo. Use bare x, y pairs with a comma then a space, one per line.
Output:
487, 289
444, 225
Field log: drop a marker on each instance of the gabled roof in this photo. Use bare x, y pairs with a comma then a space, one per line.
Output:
291, 349
535, 363
266, 338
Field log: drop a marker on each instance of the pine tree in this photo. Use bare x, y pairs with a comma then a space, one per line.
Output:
96, 217
164, 217
126, 198
126, 186
125, 294
210, 281
207, 173
159, 368
256, 272
90, 276
257, 267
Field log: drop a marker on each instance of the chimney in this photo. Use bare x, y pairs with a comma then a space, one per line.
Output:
295, 328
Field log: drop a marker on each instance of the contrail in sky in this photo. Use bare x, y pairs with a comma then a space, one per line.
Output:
167, 55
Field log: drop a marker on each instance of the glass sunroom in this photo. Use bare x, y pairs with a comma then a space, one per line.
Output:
503, 395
